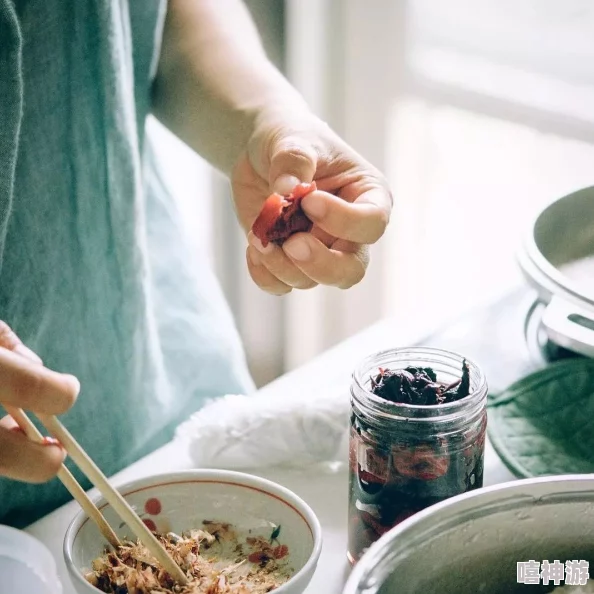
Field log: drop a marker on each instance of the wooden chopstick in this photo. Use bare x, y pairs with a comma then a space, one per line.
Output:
67, 478
113, 497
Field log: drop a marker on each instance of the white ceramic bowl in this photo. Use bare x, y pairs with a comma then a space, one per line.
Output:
26, 565
186, 499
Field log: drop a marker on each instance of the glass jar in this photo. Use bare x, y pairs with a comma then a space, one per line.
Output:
403, 457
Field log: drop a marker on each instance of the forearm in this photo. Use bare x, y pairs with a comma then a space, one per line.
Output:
214, 78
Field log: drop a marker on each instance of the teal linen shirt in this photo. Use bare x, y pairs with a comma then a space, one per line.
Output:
95, 276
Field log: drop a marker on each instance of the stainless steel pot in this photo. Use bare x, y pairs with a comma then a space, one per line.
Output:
472, 543
560, 235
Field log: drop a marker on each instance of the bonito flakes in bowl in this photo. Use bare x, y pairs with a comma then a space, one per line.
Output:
231, 533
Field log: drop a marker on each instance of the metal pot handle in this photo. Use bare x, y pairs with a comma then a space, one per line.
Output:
570, 326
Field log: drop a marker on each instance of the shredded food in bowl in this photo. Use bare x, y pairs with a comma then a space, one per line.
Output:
215, 559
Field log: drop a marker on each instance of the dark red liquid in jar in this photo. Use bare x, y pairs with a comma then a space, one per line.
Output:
392, 476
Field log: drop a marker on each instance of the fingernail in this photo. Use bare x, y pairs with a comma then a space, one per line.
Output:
315, 205
50, 441
298, 249
254, 241
285, 184
21, 349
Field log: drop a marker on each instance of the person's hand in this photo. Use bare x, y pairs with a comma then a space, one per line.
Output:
350, 210
25, 383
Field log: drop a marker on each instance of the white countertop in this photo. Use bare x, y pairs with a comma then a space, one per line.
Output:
325, 490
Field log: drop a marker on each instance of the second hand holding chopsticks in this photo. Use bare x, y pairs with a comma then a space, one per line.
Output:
113, 497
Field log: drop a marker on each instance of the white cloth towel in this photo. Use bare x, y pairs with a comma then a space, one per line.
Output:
239, 431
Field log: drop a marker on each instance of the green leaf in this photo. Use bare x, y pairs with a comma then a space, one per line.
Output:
275, 534
543, 425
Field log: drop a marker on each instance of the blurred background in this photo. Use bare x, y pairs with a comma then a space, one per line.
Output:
478, 111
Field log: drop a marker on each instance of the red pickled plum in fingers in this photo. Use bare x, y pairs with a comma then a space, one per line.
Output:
415, 439
282, 216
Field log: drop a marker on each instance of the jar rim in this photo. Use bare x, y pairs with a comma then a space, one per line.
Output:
399, 407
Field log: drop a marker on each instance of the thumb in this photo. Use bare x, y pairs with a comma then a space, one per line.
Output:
293, 160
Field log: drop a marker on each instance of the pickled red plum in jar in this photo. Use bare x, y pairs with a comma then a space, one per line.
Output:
417, 437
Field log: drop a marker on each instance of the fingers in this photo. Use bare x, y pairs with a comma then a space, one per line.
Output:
363, 221
9, 340
274, 259
25, 460
26, 384
262, 276
303, 262
333, 267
